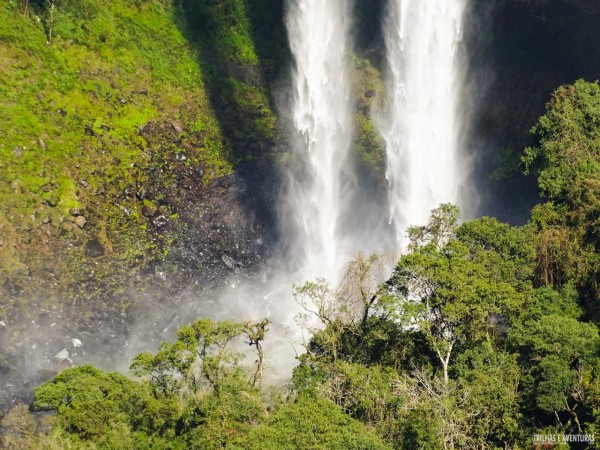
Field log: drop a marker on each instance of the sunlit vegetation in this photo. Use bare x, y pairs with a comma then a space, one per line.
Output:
483, 335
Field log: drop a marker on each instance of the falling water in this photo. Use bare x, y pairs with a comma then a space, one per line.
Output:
321, 109
421, 123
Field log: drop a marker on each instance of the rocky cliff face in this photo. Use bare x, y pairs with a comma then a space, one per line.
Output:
198, 233
138, 162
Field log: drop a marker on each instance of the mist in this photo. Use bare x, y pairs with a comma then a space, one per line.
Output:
437, 120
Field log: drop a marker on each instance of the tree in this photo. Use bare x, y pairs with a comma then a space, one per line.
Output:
106, 408
255, 332
442, 289
312, 423
566, 161
556, 354
341, 310
209, 340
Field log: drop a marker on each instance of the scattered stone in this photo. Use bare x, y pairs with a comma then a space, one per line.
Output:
2, 324
94, 248
177, 127
12, 288
123, 101
161, 275
148, 211
142, 194
62, 112
76, 342
46, 220
228, 261
88, 130
63, 355
80, 221
224, 182
142, 91
43, 144
18, 151
53, 201
76, 211
180, 157
160, 221
370, 93
105, 127
84, 184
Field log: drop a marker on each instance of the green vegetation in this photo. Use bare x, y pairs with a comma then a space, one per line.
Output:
108, 108
73, 112
368, 144
482, 336
241, 43
566, 160
478, 339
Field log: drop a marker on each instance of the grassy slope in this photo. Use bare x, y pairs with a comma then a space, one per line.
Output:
72, 114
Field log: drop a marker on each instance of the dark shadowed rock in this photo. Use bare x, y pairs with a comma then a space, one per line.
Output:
148, 211
160, 221
12, 288
94, 248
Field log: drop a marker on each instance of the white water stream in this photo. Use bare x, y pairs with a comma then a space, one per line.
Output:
421, 124
321, 109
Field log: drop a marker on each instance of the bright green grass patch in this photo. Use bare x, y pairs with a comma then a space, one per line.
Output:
71, 110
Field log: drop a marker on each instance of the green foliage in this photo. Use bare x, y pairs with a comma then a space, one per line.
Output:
567, 155
448, 290
229, 28
312, 423
225, 420
209, 340
237, 51
200, 355
170, 408
109, 410
72, 114
368, 143
566, 160
489, 380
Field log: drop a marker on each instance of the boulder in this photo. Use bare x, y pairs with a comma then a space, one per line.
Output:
149, 211
80, 221
94, 248
159, 221
229, 261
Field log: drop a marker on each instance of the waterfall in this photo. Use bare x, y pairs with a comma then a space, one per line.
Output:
421, 121
321, 110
